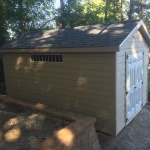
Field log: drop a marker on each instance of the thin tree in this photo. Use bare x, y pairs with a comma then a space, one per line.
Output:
106, 10
121, 7
131, 10
62, 7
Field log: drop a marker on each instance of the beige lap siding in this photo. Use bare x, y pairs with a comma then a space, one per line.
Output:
83, 82
134, 44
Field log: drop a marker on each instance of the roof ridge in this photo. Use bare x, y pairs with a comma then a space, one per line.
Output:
109, 23
61, 29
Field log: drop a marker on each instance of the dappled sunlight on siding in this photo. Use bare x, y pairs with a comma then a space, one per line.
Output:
18, 63
134, 50
37, 78
39, 65
40, 106
28, 67
49, 88
81, 83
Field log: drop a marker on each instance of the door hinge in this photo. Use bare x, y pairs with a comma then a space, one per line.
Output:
126, 119
127, 93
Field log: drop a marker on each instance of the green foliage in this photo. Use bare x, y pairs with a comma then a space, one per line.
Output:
76, 15
5, 12
29, 15
140, 10
90, 12
22, 16
18, 17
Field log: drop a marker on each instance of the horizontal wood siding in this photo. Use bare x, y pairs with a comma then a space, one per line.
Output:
133, 45
83, 83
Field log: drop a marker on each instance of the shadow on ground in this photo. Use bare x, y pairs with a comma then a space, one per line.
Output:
135, 136
24, 129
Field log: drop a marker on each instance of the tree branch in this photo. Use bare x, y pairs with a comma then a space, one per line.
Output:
47, 22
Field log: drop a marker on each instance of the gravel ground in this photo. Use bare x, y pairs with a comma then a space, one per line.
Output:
23, 129
135, 136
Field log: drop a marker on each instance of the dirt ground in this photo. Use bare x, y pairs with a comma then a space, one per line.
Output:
135, 136
23, 129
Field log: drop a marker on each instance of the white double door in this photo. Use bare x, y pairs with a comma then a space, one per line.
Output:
134, 84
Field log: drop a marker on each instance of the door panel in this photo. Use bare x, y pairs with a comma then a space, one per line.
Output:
134, 83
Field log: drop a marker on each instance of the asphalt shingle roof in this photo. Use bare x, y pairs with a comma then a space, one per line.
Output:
100, 35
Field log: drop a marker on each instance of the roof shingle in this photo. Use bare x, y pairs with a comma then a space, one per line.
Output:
100, 35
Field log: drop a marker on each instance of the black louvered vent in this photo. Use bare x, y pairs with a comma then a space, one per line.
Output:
47, 58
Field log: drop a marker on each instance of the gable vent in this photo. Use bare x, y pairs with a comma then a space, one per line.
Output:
46, 58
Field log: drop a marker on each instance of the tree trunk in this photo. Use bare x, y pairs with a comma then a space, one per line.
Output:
142, 9
21, 18
131, 10
106, 10
115, 8
121, 11
62, 13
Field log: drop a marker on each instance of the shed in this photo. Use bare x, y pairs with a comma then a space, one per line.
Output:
98, 70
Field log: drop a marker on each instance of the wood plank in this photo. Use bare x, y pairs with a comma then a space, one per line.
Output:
59, 72
68, 94
120, 73
87, 60
105, 103
120, 66
120, 85
80, 84
120, 98
121, 103
120, 125
108, 124
99, 109
120, 59
61, 79
75, 58
120, 113
49, 88
120, 92
63, 84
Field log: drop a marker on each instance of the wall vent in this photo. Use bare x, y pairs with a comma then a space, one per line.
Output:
46, 58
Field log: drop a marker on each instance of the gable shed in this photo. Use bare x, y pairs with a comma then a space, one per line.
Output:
97, 70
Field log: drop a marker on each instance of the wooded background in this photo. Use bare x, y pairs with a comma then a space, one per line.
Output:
18, 17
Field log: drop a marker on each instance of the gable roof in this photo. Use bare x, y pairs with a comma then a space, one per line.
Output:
101, 35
